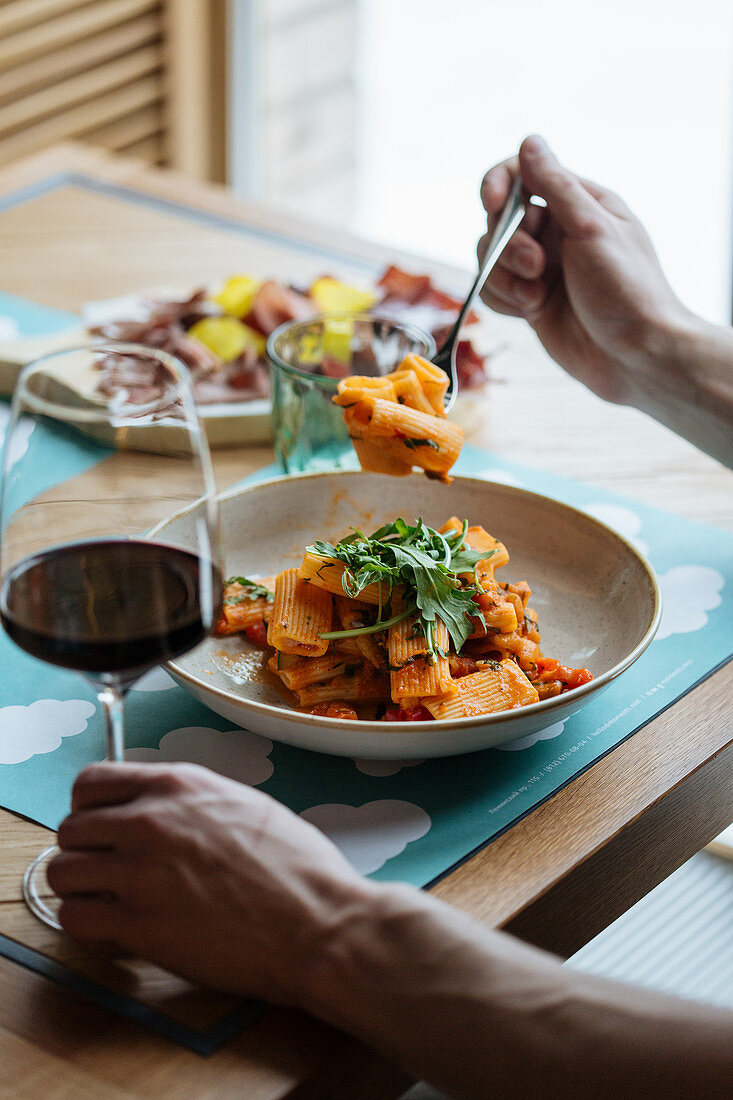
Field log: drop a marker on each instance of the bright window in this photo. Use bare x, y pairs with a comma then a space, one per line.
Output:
633, 93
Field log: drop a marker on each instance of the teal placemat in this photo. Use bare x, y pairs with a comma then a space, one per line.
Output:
411, 820
20, 317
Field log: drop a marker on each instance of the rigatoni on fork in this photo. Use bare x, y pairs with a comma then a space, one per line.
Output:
397, 421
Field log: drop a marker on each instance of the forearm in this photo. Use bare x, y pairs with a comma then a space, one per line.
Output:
686, 383
479, 1014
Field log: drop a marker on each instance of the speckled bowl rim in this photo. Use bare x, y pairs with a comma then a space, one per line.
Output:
546, 706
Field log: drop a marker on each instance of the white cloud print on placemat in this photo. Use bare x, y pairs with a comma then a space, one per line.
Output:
503, 477
531, 739
688, 593
621, 519
40, 727
382, 768
238, 754
9, 328
371, 834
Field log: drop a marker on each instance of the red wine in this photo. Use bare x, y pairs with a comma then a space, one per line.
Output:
114, 606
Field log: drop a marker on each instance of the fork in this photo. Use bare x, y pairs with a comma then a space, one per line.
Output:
509, 220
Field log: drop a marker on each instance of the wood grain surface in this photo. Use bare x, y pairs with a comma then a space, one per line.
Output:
558, 876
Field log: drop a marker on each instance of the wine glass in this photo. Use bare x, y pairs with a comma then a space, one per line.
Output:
102, 443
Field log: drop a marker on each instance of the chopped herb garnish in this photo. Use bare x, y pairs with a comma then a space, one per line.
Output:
413, 444
253, 591
424, 565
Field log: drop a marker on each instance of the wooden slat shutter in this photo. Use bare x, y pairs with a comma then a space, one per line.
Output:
145, 78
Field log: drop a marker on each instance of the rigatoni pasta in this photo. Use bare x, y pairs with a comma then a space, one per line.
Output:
397, 421
327, 573
499, 685
301, 612
245, 603
407, 624
413, 676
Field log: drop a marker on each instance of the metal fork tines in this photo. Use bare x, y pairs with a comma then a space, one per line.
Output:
509, 220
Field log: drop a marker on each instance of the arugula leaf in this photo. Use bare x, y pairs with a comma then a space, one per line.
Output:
464, 561
424, 564
373, 628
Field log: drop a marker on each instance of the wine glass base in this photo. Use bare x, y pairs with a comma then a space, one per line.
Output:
39, 897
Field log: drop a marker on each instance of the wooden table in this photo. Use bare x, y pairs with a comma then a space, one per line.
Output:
556, 878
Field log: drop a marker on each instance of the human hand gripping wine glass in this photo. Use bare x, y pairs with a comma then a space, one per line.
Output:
84, 586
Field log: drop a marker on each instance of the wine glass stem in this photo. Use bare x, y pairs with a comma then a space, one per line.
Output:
113, 701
